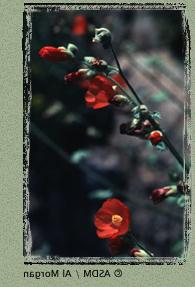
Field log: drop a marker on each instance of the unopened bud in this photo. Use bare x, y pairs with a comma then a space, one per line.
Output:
137, 252
160, 194
119, 100
155, 137
72, 48
103, 36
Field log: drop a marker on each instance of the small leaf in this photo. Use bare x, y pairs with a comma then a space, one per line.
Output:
161, 146
156, 115
181, 201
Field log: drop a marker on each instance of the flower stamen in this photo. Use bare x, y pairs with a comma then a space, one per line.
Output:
117, 219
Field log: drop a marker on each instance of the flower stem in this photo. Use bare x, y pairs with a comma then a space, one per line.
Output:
123, 76
132, 238
166, 140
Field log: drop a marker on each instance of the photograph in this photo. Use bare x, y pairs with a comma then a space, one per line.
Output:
106, 133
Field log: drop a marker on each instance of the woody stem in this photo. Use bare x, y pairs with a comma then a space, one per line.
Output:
166, 140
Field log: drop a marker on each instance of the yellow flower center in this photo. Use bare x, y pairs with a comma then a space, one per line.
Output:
116, 219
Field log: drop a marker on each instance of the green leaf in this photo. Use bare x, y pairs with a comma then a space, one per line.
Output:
181, 201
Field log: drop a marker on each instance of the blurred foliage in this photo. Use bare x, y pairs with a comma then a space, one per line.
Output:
101, 194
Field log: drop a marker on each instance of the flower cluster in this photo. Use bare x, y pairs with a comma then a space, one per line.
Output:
141, 127
100, 90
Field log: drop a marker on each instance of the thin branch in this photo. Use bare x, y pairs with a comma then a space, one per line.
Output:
125, 79
122, 89
140, 245
153, 122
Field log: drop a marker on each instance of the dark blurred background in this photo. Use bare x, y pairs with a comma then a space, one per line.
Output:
78, 158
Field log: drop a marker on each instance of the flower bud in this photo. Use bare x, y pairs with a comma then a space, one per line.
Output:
119, 100
103, 36
140, 111
160, 194
89, 59
73, 49
137, 252
54, 54
155, 137
59, 54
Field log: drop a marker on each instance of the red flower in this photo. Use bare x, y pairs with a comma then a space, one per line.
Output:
80, 25
160, 194
155, 137
116, 245
112, 219
100, 91
54, 54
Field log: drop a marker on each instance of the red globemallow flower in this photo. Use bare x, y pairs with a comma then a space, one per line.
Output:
80, 25
155, 137
53, 54
100, 91
160, 194
112, 219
